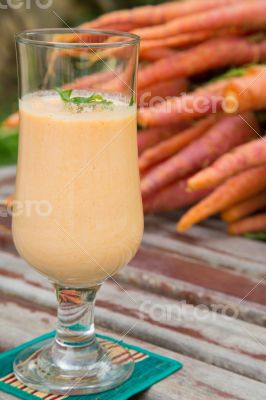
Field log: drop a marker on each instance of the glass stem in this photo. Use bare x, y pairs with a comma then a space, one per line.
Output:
75, 340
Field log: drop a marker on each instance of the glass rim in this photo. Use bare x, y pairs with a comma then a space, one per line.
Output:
25, 37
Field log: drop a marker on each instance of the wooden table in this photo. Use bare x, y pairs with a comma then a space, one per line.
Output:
199, 298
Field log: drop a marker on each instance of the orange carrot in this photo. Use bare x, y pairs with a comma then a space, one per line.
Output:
245, 208
156, 53
170, 146
122, 27
212, 54
205, 100
247, 92
187, 107
189, 39
236, 15
176, 41
149, 137
91, 81
12, 121
224, 135
234, 190
82, 34
172, 197
119, 83
117, 26
232, 95
215, 88
248, 225
239, 159
152, 15
159, 91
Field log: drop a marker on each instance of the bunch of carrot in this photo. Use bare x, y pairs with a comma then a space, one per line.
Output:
217, 162
205, 146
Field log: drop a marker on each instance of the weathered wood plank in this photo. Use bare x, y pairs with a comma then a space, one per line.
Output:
218, 283
6, 241
216, 339
212, 232
220, 279
158, 282
212, 246
7, 174
196, 380
7, 184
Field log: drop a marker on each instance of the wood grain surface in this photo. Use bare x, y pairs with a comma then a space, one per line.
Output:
196, 381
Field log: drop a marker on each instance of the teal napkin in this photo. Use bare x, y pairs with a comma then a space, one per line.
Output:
149, 369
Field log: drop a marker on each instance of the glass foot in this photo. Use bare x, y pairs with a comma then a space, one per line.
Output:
46, 367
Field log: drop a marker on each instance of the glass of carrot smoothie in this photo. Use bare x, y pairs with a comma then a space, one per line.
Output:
77, 214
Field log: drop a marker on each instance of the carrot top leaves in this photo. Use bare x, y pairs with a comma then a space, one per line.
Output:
256, 236
233, 73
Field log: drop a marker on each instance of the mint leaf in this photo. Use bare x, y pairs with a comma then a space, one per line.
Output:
131, 103
64, 94
93, 99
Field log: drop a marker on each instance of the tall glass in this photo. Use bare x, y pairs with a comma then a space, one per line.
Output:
77, 214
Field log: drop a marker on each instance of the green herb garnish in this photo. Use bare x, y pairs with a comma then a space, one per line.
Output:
93, 99
131, 103
64, 94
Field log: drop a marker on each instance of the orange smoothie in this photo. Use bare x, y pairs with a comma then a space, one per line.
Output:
78, 213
